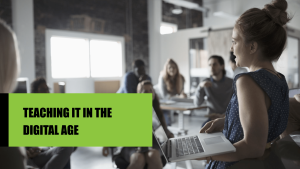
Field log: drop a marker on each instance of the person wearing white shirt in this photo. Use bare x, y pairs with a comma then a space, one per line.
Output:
236, 70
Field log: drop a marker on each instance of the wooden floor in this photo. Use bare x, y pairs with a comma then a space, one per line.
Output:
92, 158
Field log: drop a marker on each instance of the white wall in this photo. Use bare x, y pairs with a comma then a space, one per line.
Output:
22, 17
154, 21
176, 46
237, 7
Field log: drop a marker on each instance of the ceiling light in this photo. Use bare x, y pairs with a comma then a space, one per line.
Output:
187, 4
177, 10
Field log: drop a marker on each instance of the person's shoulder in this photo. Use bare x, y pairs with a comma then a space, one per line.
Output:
206, 79
244, 69
130, 75
161, 75
241, 69
237, 76
245, 80
228, 79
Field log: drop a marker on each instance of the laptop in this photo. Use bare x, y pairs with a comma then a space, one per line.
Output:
191, 146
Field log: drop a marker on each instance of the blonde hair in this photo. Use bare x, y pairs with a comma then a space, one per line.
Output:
9, 59
168, 79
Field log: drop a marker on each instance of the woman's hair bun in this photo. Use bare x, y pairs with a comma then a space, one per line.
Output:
276, 10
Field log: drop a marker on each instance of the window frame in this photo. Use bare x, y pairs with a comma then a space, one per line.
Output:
73, 34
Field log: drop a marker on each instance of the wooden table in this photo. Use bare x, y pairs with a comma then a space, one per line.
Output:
181, 107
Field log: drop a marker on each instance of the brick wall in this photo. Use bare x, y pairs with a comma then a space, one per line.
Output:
126, 18
5, 11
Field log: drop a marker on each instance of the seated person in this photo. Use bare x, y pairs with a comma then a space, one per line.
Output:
47, 158
294, 116
217, 88
39, 85
147, 87
170, 81
132, 78
170, 84
137, 157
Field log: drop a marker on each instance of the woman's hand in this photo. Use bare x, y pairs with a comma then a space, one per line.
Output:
214, 116
105, 151
32, 152
212, 126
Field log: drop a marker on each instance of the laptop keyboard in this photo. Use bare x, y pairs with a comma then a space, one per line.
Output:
188, 146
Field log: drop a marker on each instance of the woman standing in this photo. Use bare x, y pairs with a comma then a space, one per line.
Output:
258, 111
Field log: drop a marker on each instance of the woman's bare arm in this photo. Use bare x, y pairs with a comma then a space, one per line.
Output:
254, 120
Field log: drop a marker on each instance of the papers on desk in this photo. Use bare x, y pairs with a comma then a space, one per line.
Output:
167, 102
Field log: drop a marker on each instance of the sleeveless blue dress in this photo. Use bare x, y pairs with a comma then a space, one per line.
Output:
278, 92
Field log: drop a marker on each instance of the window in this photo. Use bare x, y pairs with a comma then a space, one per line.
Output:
83, 55
106, 58
167, 28
69, 57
